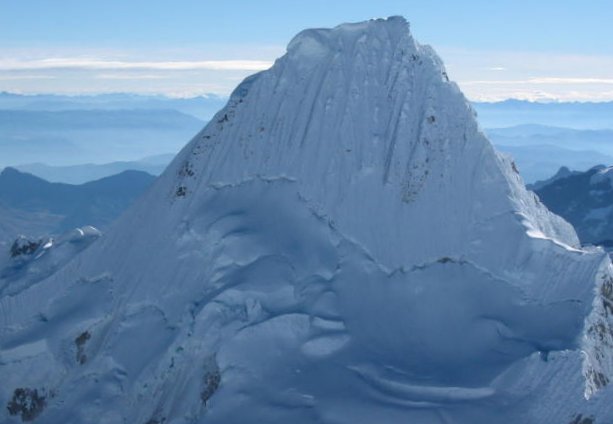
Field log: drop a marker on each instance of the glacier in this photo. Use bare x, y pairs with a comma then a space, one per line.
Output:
340, 244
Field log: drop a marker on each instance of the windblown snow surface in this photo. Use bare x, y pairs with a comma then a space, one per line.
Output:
341, 244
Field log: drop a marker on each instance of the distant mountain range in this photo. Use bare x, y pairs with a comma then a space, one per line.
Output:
578, 115
568, 138
64, 131
538, 162
563, 172
585, 199
201, 107
75, 137
32, 206
79, 174
540, 150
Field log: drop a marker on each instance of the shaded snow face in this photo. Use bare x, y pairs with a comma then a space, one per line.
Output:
279, 311
436, 334
340, 244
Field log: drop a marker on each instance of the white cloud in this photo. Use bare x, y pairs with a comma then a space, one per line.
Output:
542, 80
131, 76
25, 77
10, 64
482, 75
530, 75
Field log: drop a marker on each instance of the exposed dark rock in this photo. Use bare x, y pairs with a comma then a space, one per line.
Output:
514, 167
186, 170
580, 419
606, 291
599, 379
28, 403
211, 380
181, 191
80, 342
444, 260
23, 247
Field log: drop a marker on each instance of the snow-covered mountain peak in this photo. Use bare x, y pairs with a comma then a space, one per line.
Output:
314, 43
341, 243
363, 111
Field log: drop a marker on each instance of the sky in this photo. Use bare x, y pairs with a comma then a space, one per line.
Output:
535, 50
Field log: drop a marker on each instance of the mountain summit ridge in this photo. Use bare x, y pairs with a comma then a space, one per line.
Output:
398, 82
341, 243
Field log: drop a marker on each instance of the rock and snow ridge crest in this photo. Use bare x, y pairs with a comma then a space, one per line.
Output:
361, 105
341, 243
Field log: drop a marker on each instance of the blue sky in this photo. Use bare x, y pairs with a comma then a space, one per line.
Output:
494, 49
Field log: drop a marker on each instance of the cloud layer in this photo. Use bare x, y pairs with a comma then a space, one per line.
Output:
59, 63
498, 75
482, 75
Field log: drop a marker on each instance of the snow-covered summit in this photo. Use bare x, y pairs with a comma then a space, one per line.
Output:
362, 109
313, 44
340, 244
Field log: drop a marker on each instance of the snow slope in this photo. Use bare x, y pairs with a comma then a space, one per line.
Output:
341, 244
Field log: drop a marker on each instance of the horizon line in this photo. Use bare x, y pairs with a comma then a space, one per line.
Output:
225, 97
